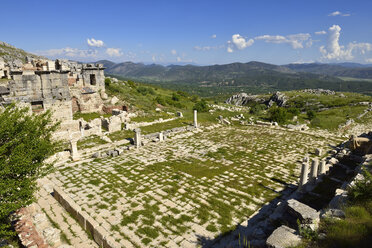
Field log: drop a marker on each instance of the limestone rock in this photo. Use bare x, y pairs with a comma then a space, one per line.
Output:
114, 100
104, 96
279, 98
304, 213
283, 237
242, 99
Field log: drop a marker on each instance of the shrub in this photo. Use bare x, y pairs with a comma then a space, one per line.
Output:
145, 90
107, 82
278, 114
201, 106
175, 97
362, 190
310, 114
293, 111
160, 100
25, 142
257, 109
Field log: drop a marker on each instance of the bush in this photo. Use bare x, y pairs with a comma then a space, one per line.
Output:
310, 114
25, 142
257, 109
278, 114
160, 100
194, 98
145, 90
107, 82
175, 97
362, 190
201, 106
293, 111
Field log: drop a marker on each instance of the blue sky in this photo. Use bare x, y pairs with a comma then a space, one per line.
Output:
200, 32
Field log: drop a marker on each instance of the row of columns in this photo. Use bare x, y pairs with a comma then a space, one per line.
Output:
316, 170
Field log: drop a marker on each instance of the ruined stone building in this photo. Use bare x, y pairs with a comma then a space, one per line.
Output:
61, 86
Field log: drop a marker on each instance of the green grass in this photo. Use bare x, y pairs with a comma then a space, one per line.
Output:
121, 135
332, 118
90, 142
353, 231
89, 116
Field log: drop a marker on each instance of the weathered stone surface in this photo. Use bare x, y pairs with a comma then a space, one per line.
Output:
279, 98
304, 213
283, 237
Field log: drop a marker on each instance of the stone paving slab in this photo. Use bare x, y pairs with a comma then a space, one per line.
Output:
195, 185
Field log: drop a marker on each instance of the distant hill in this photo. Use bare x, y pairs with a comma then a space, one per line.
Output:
354, 70
11, 53
254, 77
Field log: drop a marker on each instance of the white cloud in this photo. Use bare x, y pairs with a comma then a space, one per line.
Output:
114, 52
208, 48
334, 51
321, 32
295, 40
238, 42
95, 43
179, 59
69, 52
174, 52
214, 36
368, 60
338, 13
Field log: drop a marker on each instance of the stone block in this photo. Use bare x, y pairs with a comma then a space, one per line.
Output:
304, 213
283, 237
90, 224
109, 242
99, 234
81, 216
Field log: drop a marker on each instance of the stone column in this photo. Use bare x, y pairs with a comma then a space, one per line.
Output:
137, 137
318, 151
322, 168
314, 170
74, 151
195, 118
304, 175
161, 136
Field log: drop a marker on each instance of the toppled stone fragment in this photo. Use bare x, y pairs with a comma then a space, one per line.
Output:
283, 237
304, 213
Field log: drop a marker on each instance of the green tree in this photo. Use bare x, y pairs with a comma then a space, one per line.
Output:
201, 106
278, 114
25, 142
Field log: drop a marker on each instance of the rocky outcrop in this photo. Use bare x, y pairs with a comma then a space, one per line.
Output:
319, 91
242, 99
279, 98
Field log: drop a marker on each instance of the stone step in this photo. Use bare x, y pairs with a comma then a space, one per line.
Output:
71, 233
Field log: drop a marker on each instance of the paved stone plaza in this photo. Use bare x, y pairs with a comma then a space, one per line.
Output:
195, 185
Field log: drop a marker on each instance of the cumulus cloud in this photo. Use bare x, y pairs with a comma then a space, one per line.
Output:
214, 36
95, 43
321, 32
368, 60
174, 52
334, 51
295, 40
338, 13
238, 42
69, 52
114, 52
